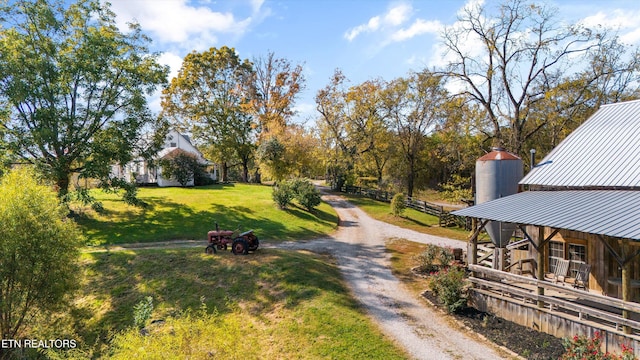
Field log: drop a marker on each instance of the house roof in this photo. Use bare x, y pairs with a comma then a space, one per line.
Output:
166, 151
606, 212
169, 150
604, 152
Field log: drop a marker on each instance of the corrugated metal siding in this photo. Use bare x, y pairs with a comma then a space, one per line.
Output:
603, 152
606, 212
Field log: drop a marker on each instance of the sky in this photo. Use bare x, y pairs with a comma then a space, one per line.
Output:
365, 39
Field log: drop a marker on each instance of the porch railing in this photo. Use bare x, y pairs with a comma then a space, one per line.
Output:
607, 310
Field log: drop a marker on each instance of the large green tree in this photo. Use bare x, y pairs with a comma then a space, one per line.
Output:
75, 87
211, 98
415, 105
277, 83
39, 249
354, 127
523, 54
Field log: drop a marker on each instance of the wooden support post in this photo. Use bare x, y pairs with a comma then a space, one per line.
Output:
473, 256
540, 267
626, 282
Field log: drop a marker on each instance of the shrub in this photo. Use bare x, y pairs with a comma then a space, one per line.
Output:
302, 190
448, 285
142, 312
434, 257
307, 195
282, 195
582, 347
445, 256
426, 259
201, 177
179, 165
39, 256
398, 204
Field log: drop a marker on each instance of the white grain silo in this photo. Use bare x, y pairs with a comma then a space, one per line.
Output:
497, 175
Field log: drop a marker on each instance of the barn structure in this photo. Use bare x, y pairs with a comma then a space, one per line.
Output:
574, 267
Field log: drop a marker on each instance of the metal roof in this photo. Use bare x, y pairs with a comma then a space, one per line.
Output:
606, 212
602, 152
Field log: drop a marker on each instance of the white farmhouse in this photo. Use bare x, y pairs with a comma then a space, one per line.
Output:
147, 173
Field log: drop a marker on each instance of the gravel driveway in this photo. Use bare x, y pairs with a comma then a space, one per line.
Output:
359, 246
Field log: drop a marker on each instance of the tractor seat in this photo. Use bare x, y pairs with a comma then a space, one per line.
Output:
220, 233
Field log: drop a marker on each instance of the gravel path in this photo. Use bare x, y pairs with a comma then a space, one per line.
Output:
359, 248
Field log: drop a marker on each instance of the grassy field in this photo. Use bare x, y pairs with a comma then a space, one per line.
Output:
188, 213
412, 219
271, 305
403, 253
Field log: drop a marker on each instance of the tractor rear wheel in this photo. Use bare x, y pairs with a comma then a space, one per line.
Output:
239, 247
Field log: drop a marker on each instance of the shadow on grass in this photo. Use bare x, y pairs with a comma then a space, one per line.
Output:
261, 283
417, 222
166, 219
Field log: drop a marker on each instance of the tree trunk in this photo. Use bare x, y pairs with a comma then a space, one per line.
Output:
224, 174
245, 171
62, 185
410, 181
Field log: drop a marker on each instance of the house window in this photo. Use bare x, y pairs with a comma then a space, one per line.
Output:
556, 252
577, 255
173, 144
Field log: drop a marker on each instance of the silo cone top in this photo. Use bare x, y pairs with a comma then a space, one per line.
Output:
498, 153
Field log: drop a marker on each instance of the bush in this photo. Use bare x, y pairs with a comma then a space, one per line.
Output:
581, 347
448, 285
426, 259
434, 257
142, 312
179, 165
398, 204
302, 190
201, 177
40, 249
307, 195
282, 195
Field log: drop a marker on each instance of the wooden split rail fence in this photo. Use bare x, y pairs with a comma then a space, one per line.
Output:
445, 218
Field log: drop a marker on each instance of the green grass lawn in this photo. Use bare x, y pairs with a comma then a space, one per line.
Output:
412, 219
188, 213
272, 304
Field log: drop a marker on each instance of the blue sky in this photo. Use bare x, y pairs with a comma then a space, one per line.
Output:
366, 39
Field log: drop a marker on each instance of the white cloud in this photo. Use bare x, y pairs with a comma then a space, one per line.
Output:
173, 61
398, 15
179, 22
372, 25
394, 17
419, 27
631, 37
623, 21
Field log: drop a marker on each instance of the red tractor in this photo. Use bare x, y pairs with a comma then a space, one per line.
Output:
241, 243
